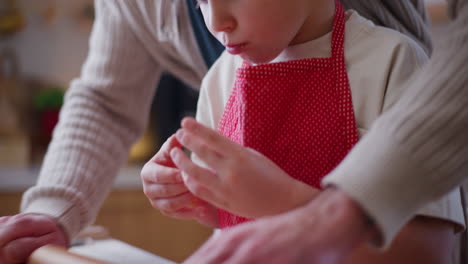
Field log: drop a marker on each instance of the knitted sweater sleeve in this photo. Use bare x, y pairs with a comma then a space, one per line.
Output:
105, 110
418, 150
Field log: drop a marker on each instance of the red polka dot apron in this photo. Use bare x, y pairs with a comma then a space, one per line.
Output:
297, 113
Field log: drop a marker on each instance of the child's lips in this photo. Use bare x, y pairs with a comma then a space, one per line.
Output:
235, 49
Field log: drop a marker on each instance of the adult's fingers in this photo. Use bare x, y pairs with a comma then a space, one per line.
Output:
155, 173
19, 250
4, 218
159, 191
25, 225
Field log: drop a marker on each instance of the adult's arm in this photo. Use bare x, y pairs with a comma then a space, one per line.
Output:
417, 151
105, 110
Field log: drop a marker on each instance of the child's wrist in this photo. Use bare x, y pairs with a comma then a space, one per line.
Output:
363, 225
301, 194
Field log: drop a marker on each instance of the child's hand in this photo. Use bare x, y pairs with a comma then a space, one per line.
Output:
240, 180
166, 191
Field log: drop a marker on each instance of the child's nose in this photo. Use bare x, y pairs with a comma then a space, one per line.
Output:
221, 20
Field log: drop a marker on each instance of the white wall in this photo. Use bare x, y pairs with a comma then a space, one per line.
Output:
51, 51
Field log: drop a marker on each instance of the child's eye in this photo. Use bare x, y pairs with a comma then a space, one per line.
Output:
198, 3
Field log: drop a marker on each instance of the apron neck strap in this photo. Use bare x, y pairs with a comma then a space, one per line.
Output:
338, 32
338, 35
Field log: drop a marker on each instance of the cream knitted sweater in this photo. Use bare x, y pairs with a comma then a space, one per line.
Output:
107, 108
418, 150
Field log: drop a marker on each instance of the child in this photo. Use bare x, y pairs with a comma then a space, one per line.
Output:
302, 102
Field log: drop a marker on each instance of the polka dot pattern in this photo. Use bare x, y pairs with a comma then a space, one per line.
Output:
297, 113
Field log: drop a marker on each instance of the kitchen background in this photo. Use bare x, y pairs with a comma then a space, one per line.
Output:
42, 46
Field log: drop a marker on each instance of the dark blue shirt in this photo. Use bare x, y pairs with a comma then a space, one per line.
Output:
208, 45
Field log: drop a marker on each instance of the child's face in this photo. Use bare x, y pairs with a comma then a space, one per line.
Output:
258, 30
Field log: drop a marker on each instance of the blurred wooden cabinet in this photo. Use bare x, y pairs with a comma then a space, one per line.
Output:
129, 217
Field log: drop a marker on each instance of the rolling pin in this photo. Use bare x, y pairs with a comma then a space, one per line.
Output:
56, 255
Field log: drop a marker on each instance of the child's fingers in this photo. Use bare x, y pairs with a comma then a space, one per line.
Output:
200, 181
162, 156
160, 191
170, 205
184, 213
207, 154
209, 136
155, 173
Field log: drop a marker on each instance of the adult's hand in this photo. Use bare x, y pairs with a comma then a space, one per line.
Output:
238, 179
166, 191
323, 232
21, 234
